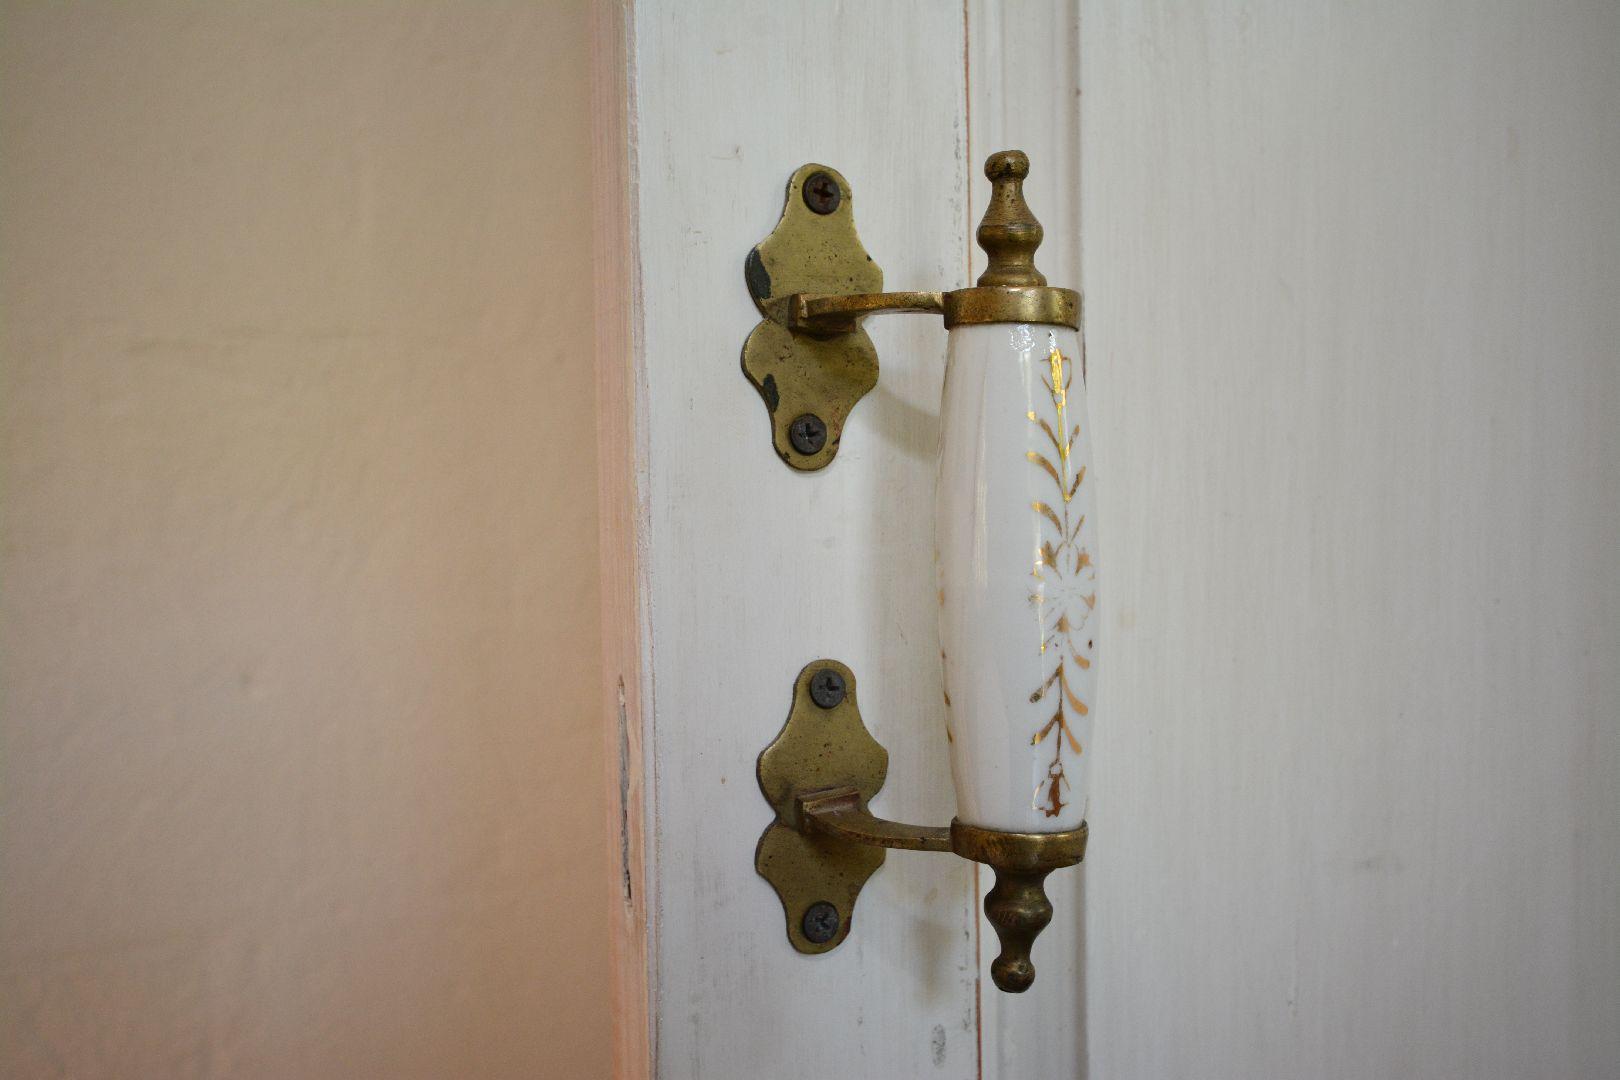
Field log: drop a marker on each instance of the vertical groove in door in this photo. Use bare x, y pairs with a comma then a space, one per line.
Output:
967, 268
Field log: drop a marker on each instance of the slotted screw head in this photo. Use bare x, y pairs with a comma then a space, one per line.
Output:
820, 922
808, 433
821, 193
827, 688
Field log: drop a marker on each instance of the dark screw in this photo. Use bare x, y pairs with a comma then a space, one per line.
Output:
827, 688
808, 433
820, 923
821, 193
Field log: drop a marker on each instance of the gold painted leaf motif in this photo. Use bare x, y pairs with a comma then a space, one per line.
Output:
1052, 610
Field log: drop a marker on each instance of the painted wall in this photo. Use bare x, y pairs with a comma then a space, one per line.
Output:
1351, 274
301, 773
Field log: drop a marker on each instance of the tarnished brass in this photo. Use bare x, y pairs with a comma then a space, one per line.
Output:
818, 749
842, 813
801, 374
1013, 304
822, 313
825, 314
1017, 905
1008, 232
813, 282
1011, 290
819, 774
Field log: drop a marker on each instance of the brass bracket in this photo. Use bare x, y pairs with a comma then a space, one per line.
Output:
810, 382
813, 282
824, 746
820, 772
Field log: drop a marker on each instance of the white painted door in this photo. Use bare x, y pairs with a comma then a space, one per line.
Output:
741, 570
1351, 277
1354, 368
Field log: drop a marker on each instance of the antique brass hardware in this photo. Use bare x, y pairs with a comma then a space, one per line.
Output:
819, 773
812, 379
1014, 551
821, 748
813, 282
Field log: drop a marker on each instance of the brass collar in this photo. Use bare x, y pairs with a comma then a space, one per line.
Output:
1012, 304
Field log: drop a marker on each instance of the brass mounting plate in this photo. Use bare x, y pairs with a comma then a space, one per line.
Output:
820, 747
813, 249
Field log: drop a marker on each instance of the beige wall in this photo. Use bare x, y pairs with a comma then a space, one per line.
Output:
301, 775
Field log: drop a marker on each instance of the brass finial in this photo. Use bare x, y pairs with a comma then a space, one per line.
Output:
1017, 906
1009, 233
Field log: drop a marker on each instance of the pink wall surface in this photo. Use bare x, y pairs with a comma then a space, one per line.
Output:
300, 766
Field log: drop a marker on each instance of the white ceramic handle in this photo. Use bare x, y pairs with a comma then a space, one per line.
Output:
1016, 557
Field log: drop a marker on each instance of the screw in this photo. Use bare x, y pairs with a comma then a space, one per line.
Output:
821, 193
827, 688
808, 433
820, 923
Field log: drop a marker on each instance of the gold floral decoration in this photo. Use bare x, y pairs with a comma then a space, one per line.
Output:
1065, 594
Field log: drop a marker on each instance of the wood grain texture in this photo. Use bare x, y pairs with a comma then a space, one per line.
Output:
622, 468
1351, 274
753, 570
1023, 82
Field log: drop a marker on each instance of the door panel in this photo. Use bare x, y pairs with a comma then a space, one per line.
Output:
1350, 351
1351, 272
750, 569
